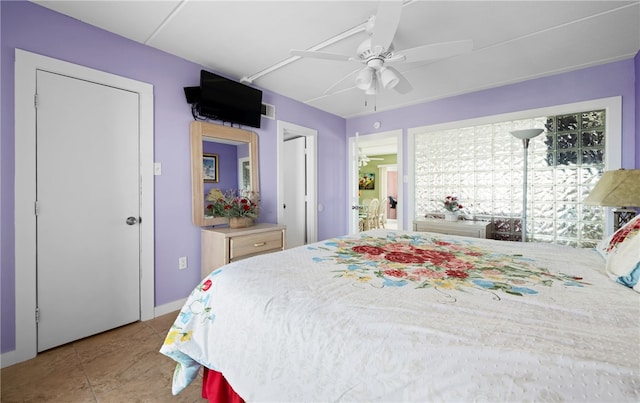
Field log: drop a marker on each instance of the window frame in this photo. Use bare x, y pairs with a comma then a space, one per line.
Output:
613, 144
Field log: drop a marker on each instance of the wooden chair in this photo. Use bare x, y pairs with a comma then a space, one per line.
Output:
364, 204
382, 214
371, 217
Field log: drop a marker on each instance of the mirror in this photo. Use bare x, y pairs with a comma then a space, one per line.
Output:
208, 138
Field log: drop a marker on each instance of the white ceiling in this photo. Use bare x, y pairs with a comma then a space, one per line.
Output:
513, 41
378, 146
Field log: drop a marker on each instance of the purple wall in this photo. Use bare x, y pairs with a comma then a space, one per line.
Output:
33, 28
36, 29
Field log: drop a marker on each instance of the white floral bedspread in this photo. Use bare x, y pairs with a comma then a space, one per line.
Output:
403, 316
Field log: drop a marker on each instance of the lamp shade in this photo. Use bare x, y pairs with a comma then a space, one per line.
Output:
619, 188
388, 78
373, 87
364, 78
526, 133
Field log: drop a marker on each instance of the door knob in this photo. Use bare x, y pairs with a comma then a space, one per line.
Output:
131, 220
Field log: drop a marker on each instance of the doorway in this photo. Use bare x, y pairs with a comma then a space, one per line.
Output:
27, 64
366, 147
388, 174
297, 194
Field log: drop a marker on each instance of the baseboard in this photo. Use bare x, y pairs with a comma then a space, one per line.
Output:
168, 308
12, 357
9, 358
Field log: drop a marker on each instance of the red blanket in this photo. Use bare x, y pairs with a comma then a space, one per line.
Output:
216, 389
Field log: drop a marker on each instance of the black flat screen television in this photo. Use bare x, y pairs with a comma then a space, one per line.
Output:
227, 100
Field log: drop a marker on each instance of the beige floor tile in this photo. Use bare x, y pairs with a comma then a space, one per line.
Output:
109, 343
163, 323
150, 385
121, 365
54, 375
130, 365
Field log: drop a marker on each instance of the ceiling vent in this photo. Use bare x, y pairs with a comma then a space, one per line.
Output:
268, 111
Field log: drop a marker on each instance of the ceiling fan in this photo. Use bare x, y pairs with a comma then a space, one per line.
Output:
363, 159
377, 51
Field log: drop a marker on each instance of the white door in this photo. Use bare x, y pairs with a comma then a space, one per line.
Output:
88, 270
299, 162
294, 206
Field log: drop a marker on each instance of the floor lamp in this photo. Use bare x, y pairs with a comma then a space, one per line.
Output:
525, 135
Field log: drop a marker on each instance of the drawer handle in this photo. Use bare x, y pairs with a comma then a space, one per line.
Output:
258, 244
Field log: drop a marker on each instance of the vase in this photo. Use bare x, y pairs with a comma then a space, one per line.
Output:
240, 222
451, 216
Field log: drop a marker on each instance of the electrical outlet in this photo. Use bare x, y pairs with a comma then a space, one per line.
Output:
182, 263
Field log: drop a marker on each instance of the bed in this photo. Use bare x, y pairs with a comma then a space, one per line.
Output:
389, 315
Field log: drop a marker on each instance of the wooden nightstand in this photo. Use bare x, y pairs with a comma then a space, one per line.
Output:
224, 245
474, 229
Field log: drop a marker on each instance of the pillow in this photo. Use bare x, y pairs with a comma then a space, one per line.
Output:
607, 244
603, 245
622, 254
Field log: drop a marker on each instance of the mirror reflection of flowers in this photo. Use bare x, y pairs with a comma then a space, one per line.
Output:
452, 204
232, 203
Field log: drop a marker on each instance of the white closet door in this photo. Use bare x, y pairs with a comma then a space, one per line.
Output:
88, 271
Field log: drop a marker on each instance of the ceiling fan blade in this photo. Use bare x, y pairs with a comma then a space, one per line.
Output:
321, 55
436, 51
403, 85
349, 77
386, 23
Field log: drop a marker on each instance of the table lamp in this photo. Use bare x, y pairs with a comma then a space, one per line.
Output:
620, 189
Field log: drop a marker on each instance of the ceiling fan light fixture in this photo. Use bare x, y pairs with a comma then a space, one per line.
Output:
373, 88
388, 78
364, 79
378, 49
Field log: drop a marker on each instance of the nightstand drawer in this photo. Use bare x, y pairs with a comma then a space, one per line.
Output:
221, 246
248, 245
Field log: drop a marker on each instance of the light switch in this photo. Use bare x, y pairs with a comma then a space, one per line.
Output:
157, 168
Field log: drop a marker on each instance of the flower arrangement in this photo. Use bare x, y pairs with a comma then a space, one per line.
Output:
232, 203
452, 204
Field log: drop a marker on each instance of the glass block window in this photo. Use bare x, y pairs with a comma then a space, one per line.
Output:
483, 166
